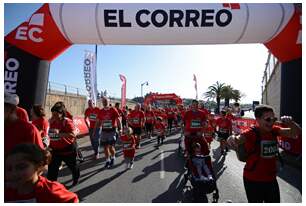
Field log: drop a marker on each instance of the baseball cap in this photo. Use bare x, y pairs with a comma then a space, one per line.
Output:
11, 98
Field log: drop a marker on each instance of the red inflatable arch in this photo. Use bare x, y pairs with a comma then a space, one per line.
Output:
169, 98
54, 27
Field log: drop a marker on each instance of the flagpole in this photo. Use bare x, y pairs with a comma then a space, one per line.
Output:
96, 58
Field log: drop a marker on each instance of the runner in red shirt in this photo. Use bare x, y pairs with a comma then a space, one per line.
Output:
209, 132
160, 131
22, 114
170, 117
108, 118
128, 143
150, 120
17, 131
40, 121
62, 142
91, 114
260, 144
23, 167
203, 109
194, 122
224, 130
136, 120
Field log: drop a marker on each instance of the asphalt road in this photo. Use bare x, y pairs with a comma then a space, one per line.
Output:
157, 177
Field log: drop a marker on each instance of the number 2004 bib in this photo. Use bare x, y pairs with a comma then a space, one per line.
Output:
268, 149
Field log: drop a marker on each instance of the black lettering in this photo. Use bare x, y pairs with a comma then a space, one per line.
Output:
227, 20
164, 18
121, 20
86, 75
192, 19
138, 20
87, 62
206, 16
108, 17
176, 19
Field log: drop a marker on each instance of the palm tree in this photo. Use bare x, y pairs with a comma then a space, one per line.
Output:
214, 91
237, 95
227, 94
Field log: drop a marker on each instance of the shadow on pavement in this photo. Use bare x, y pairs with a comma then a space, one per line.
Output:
84, 192
218, 163
294, 180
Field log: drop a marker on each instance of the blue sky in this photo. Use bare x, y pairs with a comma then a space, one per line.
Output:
168, 69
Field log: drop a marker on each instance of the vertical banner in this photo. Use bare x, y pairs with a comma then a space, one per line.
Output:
123, 91
195, 85
90, 75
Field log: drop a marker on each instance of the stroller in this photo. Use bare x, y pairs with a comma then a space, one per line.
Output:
201, 186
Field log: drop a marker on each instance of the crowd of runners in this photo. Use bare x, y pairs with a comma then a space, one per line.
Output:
34, 151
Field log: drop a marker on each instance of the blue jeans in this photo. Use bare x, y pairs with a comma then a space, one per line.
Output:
95, 140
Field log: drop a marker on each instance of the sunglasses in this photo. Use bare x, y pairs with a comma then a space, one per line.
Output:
270, 119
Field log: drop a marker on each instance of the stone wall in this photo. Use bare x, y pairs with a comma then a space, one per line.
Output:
76, 104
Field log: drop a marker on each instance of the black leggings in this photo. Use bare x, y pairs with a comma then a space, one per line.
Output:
258, 192
56, 161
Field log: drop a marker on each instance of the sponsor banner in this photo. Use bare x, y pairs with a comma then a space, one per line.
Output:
162, 99
39, 36
80, 126
293, 146
123, 91
90, 75
22, 78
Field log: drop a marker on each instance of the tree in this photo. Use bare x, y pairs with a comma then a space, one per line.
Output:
214, 91
227, 94
237, 95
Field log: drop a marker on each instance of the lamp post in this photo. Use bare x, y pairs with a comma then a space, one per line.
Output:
145, 83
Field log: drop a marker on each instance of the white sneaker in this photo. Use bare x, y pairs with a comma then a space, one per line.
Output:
131, 166
97, 156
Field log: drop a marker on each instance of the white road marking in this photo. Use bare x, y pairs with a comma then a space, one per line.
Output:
162, 166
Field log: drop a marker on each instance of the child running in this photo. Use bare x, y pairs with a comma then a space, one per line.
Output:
160, 132
129, 143
23, 181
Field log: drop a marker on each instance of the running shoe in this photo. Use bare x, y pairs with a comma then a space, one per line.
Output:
112, 161
131, 165
107, 164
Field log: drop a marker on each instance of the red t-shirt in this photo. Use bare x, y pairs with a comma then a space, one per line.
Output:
150, 117
108, 117
68, 115
159, 128
261, 165
128, 144
205, 111
194, 121
42, 125
64, 126
92, 115
136, 118
208, 132
230, 117
170, 113
22, 114
19, 132
45, 191
224, 124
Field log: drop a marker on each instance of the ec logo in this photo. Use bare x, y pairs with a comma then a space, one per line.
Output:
25, 33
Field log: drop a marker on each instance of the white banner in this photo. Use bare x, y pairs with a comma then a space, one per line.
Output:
90, 75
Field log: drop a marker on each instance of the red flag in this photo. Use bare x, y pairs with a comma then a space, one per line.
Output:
123, 91
195, 85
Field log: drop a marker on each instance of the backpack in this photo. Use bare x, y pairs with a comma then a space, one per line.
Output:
242, 155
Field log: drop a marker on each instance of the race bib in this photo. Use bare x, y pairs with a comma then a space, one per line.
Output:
92, 116
135, 121
208, 134
53, 135
107, 124
268, 149
223, 130
126, 145
196, 124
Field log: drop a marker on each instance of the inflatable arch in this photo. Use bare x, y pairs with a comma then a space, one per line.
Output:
54, 27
